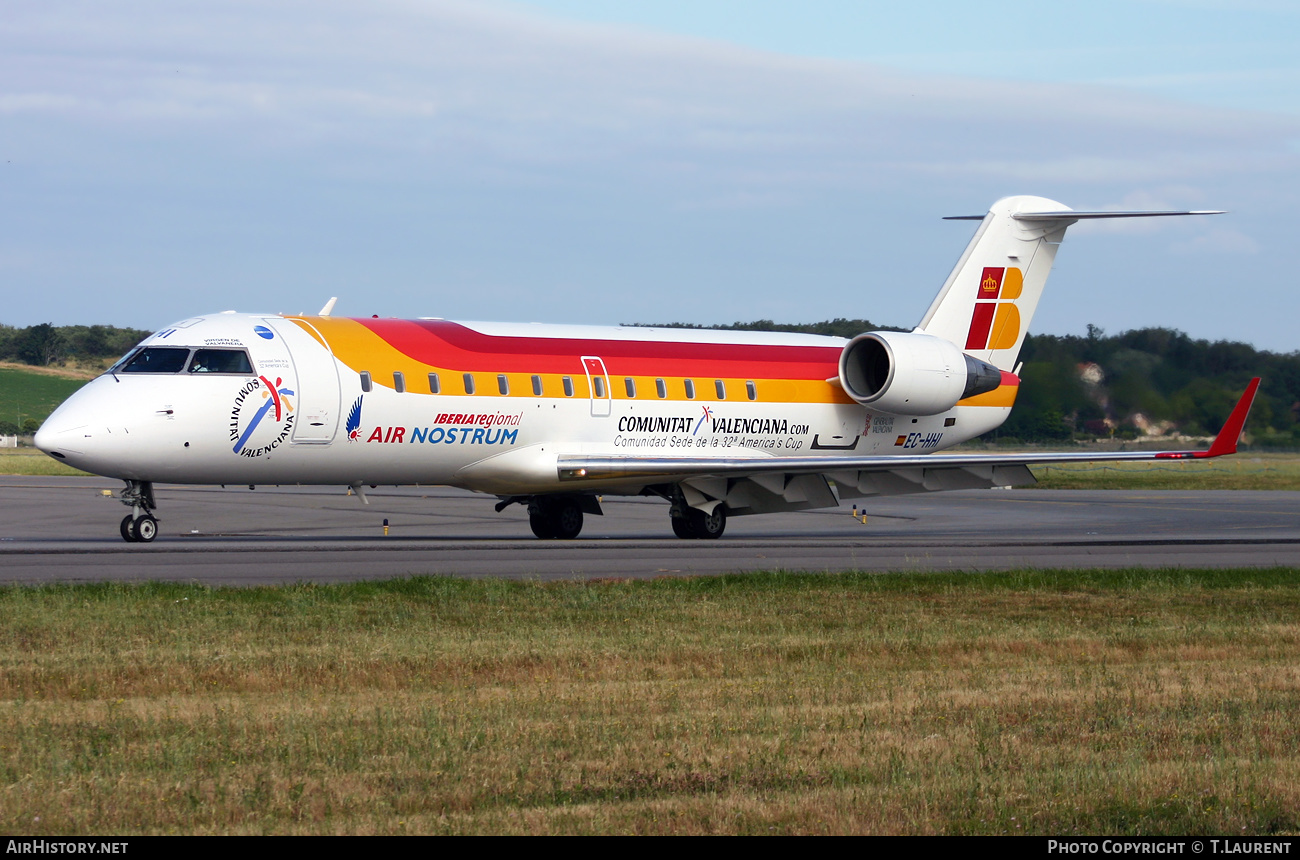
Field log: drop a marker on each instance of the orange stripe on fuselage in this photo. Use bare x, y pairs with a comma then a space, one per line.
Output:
1003, 396
416, 348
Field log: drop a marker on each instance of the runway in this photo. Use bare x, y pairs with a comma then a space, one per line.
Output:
65, 530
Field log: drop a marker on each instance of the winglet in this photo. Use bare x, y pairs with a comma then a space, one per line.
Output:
329, 307
1226, 441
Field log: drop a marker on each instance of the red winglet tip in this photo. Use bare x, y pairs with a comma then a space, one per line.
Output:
1226, 441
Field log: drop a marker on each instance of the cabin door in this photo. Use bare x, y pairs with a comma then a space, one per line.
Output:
598, 385
317, 403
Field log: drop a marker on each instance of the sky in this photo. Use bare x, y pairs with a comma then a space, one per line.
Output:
597, 162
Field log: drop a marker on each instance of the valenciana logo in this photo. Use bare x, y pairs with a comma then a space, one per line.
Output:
261, 418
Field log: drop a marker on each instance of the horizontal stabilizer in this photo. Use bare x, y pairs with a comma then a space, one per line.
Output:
1079, 215
1073, 215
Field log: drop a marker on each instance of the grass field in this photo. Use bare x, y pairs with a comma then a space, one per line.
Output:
34, 392
1133, 702
30, 461
1244, 471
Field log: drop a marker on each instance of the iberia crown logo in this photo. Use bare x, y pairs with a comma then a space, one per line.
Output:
995, 323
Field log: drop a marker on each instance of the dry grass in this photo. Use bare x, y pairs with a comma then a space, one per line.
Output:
31, 461
1092, 702
66, 369
1238, 472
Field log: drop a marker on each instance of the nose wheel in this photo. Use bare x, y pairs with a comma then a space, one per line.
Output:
139, 526
141, 529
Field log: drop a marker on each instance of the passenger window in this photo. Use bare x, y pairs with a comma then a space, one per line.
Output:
600, 385
751, 390
568, 386
434, 385
630, 384
537, 385
661, 388
721, 388
365, 381
503, 384
469, 383
399, 382
157, 359
690, 389
221, 361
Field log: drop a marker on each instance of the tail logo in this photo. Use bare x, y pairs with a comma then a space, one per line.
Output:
995, 323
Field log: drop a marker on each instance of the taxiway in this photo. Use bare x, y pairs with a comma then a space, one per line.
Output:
65, 530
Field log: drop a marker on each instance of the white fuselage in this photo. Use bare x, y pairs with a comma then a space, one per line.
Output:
228, 427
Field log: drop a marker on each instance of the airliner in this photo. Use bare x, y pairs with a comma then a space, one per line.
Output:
716, 423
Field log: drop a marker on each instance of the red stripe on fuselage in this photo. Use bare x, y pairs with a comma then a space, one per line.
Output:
446, 344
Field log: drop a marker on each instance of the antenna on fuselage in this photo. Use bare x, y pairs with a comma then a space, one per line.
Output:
329, 307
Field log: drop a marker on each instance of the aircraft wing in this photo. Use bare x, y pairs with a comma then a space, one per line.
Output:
757, 484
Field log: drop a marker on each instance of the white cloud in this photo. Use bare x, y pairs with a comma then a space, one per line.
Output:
473, 160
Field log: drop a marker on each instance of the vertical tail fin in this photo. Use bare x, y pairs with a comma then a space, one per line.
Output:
989, 299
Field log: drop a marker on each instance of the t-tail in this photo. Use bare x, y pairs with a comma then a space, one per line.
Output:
988, 301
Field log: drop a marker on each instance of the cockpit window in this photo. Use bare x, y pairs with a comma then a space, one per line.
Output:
124, 360
221, 361
156, 359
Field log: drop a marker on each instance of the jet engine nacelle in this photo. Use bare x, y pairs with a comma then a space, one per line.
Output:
909, 373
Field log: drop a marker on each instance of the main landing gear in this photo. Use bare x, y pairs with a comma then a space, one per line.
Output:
695, 523
139, 526
555, 517
560, 517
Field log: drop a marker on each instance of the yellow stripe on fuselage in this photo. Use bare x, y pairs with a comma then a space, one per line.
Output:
362, 350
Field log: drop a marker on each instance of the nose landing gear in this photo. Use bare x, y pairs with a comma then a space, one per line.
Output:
139, 526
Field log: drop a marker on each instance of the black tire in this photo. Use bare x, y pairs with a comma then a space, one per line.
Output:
682, 528
709, 526
128, 529
145, 528
566, 517
543, 525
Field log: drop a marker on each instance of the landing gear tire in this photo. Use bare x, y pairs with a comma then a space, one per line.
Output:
542, 525
556, 519
568, 519
128, 529
145, 528
698, 524
708, 526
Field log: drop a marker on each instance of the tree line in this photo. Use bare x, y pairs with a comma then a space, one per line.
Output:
1151, 380
46, 344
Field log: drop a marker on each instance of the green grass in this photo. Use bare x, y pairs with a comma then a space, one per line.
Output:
1118, 702
1246, 471
32, 393
30, 461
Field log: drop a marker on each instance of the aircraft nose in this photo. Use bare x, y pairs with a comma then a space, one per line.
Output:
63, 433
